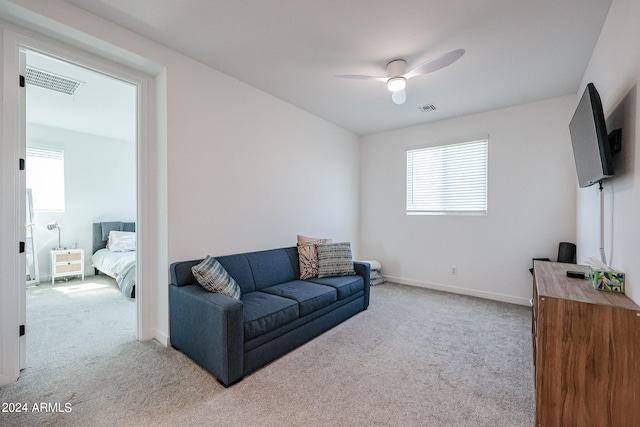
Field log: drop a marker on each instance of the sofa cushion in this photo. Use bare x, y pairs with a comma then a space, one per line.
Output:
213, 277
335, 260
345, 285
263, 312
238, 267
271, 267
309, 296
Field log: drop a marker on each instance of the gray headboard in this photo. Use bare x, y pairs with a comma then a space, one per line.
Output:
101, 232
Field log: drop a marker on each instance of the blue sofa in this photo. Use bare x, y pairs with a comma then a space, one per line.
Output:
276, 313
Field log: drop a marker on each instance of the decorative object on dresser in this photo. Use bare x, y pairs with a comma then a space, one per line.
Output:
114, 253
67, 262
586, 351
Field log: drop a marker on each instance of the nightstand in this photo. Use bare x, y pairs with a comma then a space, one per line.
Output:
67, 262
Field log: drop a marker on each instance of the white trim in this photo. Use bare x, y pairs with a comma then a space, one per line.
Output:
457, 290
22, 152
9, 215
151, 180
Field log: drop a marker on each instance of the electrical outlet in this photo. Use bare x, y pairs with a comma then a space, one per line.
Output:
454, 270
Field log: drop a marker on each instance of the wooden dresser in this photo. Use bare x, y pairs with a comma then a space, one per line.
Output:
586, 352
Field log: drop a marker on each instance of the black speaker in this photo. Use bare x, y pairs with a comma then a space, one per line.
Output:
567, 252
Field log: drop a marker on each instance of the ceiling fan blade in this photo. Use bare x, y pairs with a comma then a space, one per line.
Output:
399, 96
359, 77
435, 63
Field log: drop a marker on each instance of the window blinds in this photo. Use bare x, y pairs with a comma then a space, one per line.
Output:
448, 179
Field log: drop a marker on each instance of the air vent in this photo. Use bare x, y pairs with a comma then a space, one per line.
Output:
427, 108
50, 81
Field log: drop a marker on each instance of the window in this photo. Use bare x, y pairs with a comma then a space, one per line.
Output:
448, 179
45, 178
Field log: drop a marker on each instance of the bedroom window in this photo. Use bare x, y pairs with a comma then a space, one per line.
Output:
45, 178
448, 179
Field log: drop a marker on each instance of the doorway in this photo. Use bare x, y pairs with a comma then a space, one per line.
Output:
151, 221
81, 147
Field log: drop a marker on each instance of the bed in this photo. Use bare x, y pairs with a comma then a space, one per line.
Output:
119, 260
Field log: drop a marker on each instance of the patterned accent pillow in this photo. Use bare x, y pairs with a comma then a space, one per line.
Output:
317, 240
308, 256
335, 260
213, 277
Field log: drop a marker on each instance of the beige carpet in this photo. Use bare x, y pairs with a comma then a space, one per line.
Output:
416, 357
75, 320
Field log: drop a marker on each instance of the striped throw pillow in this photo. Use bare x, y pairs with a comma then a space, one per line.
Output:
335, 260
213, 277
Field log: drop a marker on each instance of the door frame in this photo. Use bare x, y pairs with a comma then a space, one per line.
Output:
150, 205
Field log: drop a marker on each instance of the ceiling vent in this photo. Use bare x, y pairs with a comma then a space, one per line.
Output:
47, 80
427, 108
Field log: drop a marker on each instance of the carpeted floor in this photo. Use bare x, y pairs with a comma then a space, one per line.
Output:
76, 320
416, 357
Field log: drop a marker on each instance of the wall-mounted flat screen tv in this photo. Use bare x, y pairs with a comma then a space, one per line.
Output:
589, 138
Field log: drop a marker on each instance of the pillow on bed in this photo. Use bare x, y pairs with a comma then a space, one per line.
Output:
121, 241
115, 234
213, 277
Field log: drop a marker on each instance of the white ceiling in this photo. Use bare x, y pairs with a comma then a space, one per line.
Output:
517, 51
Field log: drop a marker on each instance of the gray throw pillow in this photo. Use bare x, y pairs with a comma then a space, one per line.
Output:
213, 277
335, 260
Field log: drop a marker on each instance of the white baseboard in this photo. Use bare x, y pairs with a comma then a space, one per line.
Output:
162, 338
457, 290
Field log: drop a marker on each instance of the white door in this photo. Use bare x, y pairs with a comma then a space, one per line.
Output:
22, 203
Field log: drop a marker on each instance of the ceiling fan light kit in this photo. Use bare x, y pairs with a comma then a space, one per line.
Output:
397, 74
399, 97
395, 84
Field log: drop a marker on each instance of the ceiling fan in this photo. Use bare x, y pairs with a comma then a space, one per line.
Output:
397, 74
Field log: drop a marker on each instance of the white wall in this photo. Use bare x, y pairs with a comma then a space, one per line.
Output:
615, 71
531, 205
100, 185
248, 171
244, 170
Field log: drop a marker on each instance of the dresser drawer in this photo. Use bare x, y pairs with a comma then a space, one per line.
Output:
68, 257
68, 268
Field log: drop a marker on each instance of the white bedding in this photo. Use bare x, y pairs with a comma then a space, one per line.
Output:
119, 265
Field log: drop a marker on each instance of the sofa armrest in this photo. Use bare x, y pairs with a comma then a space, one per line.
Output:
364, 269
208, 327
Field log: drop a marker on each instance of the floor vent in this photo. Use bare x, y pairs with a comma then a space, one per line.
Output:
50, 81
427, 108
